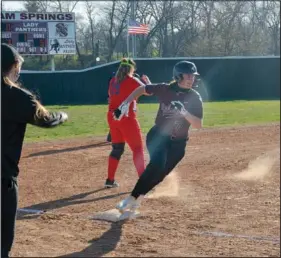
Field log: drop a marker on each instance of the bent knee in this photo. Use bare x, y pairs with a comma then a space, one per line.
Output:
117, 150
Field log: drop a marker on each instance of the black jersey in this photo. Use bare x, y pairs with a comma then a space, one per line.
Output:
18, 107
167, 120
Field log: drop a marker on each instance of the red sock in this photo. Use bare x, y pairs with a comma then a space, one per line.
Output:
112, 167
138, 157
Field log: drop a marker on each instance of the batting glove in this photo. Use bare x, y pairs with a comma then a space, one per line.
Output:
122, 110
177, 105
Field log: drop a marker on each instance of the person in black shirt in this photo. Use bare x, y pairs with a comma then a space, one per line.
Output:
180, 107
18, 108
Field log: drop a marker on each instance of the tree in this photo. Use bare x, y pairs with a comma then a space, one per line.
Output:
269, 19
154, 14
32, 6
116, 15
63, 6
90, 8
177, 28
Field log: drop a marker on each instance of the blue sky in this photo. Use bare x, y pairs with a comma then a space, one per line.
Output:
13, 5
18, 5
80, 7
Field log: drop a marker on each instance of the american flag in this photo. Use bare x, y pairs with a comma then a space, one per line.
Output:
135, 27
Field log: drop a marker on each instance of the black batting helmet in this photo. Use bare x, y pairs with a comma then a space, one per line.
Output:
184, 67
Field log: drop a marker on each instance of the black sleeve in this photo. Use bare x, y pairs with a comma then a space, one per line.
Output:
195, 105
156, 89
23, 110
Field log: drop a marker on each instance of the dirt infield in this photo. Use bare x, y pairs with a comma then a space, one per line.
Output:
222, 200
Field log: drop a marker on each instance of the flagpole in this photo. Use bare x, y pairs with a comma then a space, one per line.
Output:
133, 18
135, 36
128, 38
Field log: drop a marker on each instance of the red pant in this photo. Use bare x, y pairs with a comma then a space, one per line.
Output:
127, 130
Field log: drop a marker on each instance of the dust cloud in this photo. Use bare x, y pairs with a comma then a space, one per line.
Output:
168, 188
261, 167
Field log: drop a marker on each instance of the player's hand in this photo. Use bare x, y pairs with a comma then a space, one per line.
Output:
177, 105
122, 110
145, 79
139, 78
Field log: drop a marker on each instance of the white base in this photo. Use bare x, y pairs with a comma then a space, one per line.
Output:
114, 215
31, 211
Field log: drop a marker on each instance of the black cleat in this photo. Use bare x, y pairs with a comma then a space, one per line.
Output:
110, 183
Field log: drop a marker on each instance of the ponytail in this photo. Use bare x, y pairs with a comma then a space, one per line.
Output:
126, 67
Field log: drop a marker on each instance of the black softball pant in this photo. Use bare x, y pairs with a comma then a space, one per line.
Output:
165, 153
9, 203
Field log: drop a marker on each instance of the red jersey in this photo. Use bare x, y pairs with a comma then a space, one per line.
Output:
119, 92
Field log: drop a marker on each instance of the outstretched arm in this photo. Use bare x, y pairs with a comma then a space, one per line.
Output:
135, 94
149, 89
141, 90
49, 120
124, 107
143, 81
29, 110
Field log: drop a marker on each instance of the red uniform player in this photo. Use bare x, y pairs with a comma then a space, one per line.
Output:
128, 130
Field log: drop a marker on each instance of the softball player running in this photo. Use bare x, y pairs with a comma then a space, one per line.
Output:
127, 130
180, 107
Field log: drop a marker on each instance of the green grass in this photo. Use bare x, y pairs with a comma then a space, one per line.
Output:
91, 120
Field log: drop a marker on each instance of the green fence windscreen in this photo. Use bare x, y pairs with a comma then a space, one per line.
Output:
220, 79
